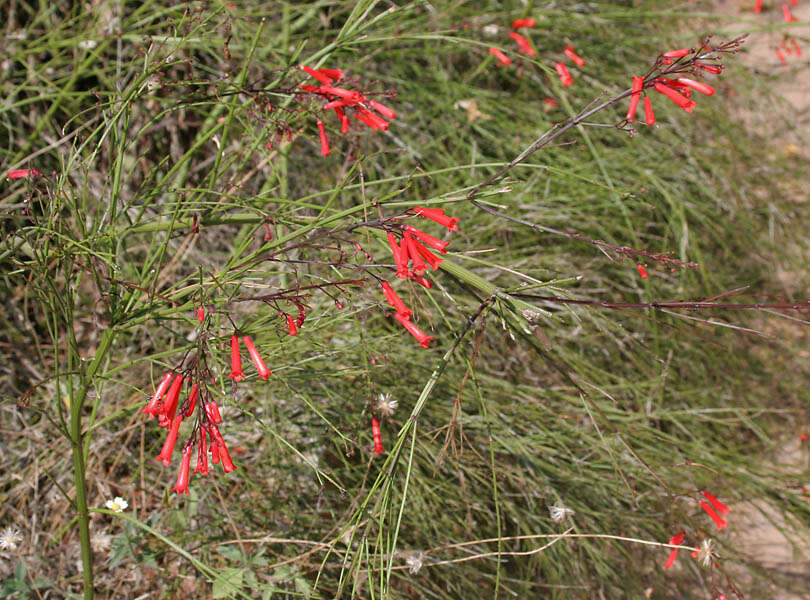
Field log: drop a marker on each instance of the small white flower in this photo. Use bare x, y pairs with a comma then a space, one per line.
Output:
491, 30
559, 512
706, 552
117, 505
88, 44
385, 405
9, 538
415, 560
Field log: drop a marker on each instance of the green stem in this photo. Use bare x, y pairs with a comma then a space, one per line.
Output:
76, 439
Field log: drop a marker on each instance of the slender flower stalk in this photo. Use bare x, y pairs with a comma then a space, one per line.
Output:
264, 372
236, 360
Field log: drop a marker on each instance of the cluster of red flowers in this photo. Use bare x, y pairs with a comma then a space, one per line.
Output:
344, 102
165, 405
411, 258
678, 90
565, 77
716, 507
789, 45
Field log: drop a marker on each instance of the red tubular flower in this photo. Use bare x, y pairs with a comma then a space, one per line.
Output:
317, 74
153, 405
291, 325
192, 400
696, 85
377, 435
344, 120
169, 407
675, 540
780, 56
418, 263
395, 301
214, 452
324, 141
264, 372
423, 281
200, 314
504, 60
338, 104
202, 455
518, 23
565, 76
758, 6
524, 45
212, 411
649, 115
718, 506
673, 95
714, 69
382, 109
400, 260
437, 215
421, 337
165, 455
428, 239
379, 122
569, 52
335, 74
676, 53
181, 487
638, 83
551, 102
364, 118
787, 15
642, 271
222, 450
236, 360
355, 97
20, 173
310, 88
718, 520
428, 256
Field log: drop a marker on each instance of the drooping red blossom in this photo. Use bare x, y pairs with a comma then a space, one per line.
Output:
502, 58
291, 325
718, 506
642, 271
317, 74
152, 406
421, 337
192, 400
787, 15
344, 120
183, 476
202, 455
714, 69
677, 98
201, 314
394, 300
675, 540
569, 51
780, 55
565, 76
423, 281
20, 173
377, 435
214, 451
551, 102
169, 407
382, 109
335, 74
638, 83
649, 115
718, 520
222, 450
676, 53
212, 411
418, 263
428, 239
524, 45
698, 86
165, 455
518, 23
264, 372
400, 261
236, 360
437, 215
324, 140
428, 256
758, 6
